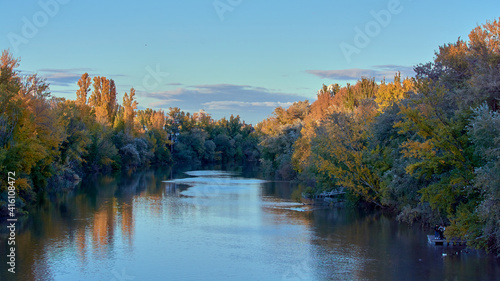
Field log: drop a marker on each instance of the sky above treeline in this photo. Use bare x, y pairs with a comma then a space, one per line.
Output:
228, 57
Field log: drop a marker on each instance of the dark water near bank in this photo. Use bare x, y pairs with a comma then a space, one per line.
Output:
216, 225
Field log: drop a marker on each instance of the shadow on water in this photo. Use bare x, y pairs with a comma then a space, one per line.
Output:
136, 223
61, 219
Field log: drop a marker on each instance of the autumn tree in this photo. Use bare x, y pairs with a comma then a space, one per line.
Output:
10, 84
84, 88
389, 94
35, 95
469, 70
440, 149
103, 100
484, 52
330, 100
30, 137
278, 136
324, 100
158, 120
204, 120
340, 149
12, 118
129, 107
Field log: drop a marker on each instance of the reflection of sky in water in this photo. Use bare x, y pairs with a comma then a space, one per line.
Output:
216, 225
263, 228
225, 235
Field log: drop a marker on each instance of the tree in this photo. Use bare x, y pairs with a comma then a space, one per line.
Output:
35, 95
30, 136
84, 88
440, 149
103, 100
278, 135
17, 138
129, 107
10, 84
391, 93
340, 149
469, 70
480, 223
484, 52
158, 120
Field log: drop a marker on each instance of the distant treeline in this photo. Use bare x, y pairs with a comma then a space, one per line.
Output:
426, 147
51, 143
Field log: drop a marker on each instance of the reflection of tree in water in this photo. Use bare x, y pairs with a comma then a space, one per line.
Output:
89, 217
96, 224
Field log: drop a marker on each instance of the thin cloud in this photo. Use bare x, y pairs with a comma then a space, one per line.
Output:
228, 105
221, 92
243, 92
379, 72
250, 102
63, 77
57, 70
162, 103
68, 77
165, 95
343, 74
405, 70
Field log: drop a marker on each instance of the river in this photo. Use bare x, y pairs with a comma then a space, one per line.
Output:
222, 225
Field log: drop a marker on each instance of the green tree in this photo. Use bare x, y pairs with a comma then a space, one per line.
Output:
480, 223
340, 150
441, 149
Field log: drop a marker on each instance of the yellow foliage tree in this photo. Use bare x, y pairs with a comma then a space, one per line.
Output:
391, 93
339, 150
158, 120
103, 100
129, 107
84, 84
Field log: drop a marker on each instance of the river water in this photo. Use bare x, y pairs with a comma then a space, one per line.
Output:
222, 225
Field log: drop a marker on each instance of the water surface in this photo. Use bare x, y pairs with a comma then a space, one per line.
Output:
223, 225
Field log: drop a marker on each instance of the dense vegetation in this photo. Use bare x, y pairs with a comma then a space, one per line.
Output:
51, 143
427, 147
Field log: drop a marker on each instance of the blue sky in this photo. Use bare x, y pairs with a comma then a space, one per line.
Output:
230, 56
